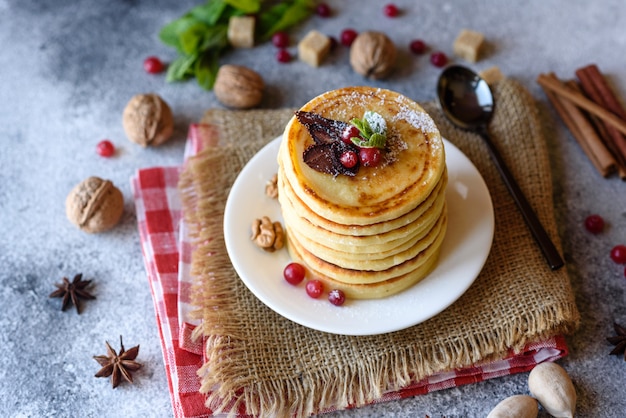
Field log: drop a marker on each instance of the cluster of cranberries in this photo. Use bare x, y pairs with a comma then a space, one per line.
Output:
368, 156
437, 58
416, 46
595, 225
294, 274
348, 35
281, 41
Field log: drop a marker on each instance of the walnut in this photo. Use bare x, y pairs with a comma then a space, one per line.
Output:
271, 187
94, 205
373, 55
267, 234
238, 87
148, 120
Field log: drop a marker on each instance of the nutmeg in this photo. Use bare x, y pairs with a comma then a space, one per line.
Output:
238, 87
148, 120
94, 205
373, 55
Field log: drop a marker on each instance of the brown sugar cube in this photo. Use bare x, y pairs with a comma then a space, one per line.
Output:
241, 31
491, 75
467, 45
314, 48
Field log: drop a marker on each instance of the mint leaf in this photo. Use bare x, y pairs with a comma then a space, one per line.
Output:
373, 129
363, 126
181, 68
206, 70
245, 6
193, 37
210, 12
377, 140
376, 122
170, 33
215, 37
295, 13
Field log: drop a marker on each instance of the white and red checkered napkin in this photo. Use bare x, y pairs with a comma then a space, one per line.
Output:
167, 256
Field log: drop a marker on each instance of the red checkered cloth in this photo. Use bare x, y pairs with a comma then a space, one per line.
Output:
166, 251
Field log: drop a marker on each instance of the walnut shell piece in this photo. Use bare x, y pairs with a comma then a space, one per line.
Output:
148, 120
238, 87
267, 235
373, 55
94, 205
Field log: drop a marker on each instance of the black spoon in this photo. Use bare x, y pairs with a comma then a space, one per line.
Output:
467, 102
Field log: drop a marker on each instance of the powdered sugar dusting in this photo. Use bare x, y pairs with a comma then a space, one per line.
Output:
419, 120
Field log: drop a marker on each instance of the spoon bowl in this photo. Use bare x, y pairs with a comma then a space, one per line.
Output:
466, 100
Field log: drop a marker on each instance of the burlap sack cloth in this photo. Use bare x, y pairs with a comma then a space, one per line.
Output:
276, 367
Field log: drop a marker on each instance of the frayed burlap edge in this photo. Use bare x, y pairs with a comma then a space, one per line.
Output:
381, 363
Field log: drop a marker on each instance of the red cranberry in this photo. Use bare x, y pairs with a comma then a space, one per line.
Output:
391, 10
350, 132
294, 273
283, 56
594, 224
438, 59
618, 254
369, 156
417, 46
314, 288
280, 39
153, 65
323, 10
349, 159
105, 148
348, 36
336, 297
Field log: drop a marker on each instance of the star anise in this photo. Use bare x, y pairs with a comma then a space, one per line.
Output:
118, 365
72, 291
619, 341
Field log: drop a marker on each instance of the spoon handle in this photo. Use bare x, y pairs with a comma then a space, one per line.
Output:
539, 233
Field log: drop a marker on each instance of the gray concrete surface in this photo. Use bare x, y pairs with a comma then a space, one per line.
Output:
67, 70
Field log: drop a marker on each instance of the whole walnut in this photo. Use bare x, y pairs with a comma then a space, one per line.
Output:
373, 55
148, 120
238, 87
94, 205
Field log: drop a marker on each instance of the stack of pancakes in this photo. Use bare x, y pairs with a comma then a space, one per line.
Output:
378, 232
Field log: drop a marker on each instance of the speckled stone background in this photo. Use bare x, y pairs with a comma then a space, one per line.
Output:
67, 70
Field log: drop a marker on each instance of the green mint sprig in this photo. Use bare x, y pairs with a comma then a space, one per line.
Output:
200, 35
373, 129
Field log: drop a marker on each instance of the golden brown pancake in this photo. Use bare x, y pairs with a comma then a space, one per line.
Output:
373, 290
384, 263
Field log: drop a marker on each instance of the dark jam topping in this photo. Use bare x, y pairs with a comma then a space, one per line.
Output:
325, 154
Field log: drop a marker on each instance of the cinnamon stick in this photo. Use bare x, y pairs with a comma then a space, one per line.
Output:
580, 100
588, 130
610, 100
582, 131
595, 86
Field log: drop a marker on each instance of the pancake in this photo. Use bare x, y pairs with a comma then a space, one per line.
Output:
373, 261
405, 178
368, 246
377, 228
356, 241
373, 290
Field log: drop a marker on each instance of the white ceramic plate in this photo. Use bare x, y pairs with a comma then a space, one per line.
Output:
463, 254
